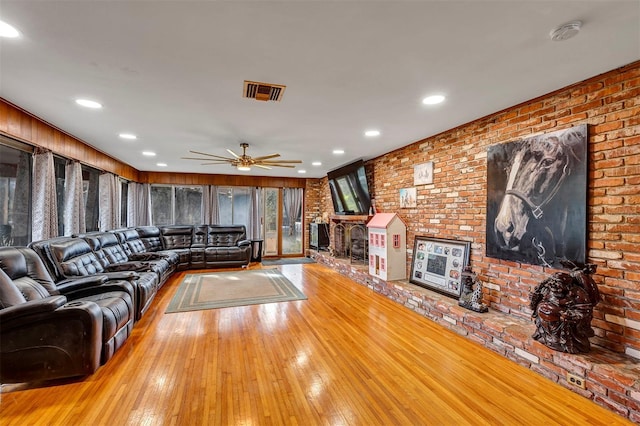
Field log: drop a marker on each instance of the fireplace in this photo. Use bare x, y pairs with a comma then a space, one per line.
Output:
349, 238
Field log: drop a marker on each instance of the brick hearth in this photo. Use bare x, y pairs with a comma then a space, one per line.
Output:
612, 379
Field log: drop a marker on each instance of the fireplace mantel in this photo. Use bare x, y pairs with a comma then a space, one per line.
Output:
350, 218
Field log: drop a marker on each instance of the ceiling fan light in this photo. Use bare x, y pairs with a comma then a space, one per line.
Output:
242, 168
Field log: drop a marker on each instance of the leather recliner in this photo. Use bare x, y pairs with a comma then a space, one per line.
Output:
72, 258
113, 257
23, 271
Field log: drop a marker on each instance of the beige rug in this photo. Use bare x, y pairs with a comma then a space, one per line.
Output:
225, 289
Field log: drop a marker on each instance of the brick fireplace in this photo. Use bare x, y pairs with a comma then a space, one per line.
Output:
349, 238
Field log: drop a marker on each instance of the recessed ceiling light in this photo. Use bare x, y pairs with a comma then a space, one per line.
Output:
89, 104
433, 100
316, 163
149, 153
128, 136
338, 151
372, 133
8, 31
161, 164
302, 171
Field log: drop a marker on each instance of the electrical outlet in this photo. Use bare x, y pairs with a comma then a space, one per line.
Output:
578, 381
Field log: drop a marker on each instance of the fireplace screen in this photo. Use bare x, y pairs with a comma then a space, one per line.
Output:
350, 242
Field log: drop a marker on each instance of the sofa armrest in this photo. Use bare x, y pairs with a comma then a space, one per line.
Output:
33, 307
145, 256
128, 266
72, 284
243, 243
109, 286
122, 275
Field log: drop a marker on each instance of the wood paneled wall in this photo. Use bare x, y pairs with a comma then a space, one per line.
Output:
23, 126
227, 180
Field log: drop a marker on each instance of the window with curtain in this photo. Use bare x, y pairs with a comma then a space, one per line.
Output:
15, 196
124, 201
90, 178
59, 166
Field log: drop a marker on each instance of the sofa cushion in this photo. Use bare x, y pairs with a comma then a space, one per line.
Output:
176, 237
9, 293
150, 236
226, 235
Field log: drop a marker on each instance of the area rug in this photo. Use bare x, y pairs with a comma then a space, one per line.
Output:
225, 289
287, 261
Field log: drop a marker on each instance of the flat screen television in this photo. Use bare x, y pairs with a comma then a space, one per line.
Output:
349, 189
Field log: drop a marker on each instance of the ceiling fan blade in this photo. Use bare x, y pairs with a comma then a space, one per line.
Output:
262, 167
282, 165
214, 164
207, 159
281, 161
265, 157
233, 153
209, 155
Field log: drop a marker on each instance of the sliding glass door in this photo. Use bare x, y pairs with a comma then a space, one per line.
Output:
282, 231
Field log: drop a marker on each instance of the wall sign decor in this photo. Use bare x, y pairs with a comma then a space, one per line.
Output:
423, 173
408, 198
537, 199
438, 263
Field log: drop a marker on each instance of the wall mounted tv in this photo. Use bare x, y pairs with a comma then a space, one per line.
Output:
349, 189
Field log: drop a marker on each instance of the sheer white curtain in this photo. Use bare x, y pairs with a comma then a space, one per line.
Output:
210, 210
132, 203
292, 199
138, 204
74, 217
44, 203
109, 196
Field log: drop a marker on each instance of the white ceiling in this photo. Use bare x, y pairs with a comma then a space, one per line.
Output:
172, 71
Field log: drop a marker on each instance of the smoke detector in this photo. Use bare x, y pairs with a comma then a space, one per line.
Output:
263, 91
566, 31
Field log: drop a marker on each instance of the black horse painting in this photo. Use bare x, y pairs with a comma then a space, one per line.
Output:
537, 198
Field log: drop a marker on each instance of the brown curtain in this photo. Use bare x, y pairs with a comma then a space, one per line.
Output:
45, 208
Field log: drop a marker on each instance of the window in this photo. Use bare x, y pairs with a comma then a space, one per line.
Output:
162, 205
90, 178
234, 205
181, 205
188, 205
15, 196
59, 166
124, 194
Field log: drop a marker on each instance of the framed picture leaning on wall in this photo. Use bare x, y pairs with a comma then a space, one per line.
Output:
438, 263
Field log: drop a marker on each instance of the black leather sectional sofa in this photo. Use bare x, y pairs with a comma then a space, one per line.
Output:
68, 303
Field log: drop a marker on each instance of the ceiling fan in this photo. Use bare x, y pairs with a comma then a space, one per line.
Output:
243, 162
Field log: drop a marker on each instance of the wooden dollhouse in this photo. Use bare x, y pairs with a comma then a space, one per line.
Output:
387, 247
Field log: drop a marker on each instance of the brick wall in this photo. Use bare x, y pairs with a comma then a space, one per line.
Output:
454, 206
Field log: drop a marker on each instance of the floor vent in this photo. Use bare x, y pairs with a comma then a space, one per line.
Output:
263, 91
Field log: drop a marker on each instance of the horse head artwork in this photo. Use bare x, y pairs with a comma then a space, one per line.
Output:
536, 204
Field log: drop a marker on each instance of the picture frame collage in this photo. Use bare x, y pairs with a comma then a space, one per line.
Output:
438, 263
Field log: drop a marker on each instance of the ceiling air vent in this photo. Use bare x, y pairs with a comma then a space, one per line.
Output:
263, 91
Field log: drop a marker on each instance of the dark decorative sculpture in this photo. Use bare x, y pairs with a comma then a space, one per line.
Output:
563, 308
471, 298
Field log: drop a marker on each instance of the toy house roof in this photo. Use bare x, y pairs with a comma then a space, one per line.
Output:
382, 220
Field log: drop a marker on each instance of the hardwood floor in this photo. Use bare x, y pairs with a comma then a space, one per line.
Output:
345, 356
